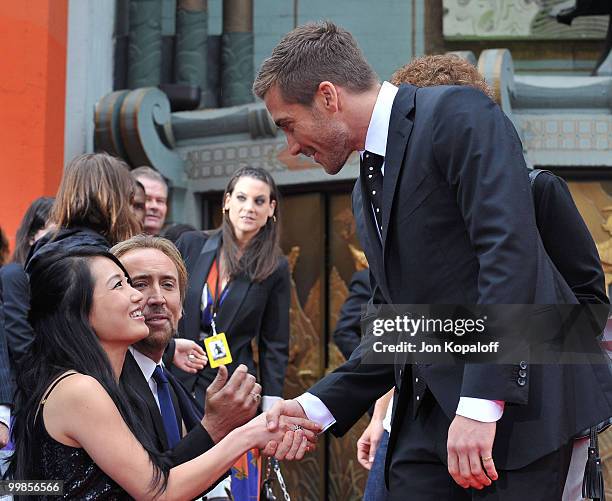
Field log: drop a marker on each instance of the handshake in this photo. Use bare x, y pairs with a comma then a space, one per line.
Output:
231, 404
299, 434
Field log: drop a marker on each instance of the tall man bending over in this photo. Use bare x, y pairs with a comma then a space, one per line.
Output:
449, 219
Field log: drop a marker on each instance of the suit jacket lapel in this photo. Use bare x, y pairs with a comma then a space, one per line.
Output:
193, 300
136, 379
189, 408
400, 127
231, 304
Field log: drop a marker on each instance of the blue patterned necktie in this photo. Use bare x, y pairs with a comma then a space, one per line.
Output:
166, 407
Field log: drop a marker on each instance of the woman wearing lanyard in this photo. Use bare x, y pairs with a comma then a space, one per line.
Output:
239, 287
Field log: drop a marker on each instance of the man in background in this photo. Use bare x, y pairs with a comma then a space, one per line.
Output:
156, 198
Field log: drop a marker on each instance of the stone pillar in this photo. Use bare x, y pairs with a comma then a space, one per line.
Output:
145, 45
191, 49
237, 52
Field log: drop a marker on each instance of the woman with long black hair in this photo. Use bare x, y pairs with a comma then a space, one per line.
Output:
73, 421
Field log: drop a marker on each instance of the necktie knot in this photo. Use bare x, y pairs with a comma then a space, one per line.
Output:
372, 161
159, 375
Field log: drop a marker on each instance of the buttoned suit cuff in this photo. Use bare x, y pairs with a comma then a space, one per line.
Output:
5, 415
316, 410
479, 409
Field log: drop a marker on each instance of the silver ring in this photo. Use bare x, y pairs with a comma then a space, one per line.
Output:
256, 396
297, 427
191, 356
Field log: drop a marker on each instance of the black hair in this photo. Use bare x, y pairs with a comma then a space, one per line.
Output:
34, 219
62, 288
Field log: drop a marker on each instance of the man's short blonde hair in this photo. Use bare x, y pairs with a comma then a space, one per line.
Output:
161, 244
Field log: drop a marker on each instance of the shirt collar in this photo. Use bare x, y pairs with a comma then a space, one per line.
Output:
147, 366
378, 129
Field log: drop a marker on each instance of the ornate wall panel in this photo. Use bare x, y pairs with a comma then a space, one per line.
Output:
515, 19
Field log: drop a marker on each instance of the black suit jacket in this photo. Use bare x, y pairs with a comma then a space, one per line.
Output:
250, 310
567, 239
7, 388
347, 334
459, 228
15, 288
196, 442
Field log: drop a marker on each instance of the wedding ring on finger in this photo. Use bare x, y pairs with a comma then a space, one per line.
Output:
256, 397
191, 356
297, 427
485, 459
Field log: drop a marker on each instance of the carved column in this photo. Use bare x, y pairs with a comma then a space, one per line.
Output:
191, 44
237, 52
145, 46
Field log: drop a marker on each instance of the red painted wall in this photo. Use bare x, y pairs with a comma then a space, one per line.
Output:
33, 37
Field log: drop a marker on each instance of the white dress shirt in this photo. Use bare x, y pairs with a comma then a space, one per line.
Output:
376, 142
147, 366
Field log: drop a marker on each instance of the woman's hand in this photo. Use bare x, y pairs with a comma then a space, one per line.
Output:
189, 356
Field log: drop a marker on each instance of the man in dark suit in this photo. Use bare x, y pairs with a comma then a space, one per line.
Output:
449, 219
167, 409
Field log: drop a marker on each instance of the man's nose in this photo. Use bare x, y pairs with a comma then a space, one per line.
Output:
156, 297
293, 146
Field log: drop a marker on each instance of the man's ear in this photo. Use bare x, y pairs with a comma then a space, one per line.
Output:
328, 96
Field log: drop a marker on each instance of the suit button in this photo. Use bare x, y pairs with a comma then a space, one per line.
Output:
416, 379
522, 373
523, 364
521, 381
418, 398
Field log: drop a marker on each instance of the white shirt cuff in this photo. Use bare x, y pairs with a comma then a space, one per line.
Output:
5, 415
316, 410
479, 409
267, 401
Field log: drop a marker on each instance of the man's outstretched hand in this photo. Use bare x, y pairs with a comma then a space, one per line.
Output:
470, 451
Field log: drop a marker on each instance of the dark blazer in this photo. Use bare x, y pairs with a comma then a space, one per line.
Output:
7, 385
250, 310
15, 288
459, 228
347, 334
196, 442
567, 239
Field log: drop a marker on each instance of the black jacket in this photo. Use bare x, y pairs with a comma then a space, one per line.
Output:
347, 334
7, 377
196, 442
66, 239
250, 311
459, 228
567, 239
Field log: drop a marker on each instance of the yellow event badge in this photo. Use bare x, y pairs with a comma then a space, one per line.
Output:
217, 348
